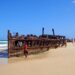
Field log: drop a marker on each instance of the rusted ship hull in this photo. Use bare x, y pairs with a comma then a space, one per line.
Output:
35, 43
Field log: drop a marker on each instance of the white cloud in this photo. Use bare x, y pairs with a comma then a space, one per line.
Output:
73, 1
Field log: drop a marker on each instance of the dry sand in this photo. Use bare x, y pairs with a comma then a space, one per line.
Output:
60, 61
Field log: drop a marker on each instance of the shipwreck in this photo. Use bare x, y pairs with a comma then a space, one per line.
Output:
35, 43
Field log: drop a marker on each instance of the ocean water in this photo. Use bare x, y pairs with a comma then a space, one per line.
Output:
3, 49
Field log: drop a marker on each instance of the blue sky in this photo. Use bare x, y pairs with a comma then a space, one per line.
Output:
29, 16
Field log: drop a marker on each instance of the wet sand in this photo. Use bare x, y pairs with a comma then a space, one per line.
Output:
60, 61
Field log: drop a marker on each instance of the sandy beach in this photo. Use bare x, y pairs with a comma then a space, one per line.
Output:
60, 61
